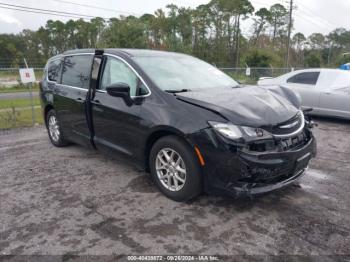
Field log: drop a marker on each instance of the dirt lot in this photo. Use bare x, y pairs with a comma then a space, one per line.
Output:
74, 201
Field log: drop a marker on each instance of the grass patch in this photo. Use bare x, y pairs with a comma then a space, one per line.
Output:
19, 118
9, 74
23, 102
18, 88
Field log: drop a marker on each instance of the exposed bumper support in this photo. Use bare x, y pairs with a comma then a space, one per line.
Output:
235, 172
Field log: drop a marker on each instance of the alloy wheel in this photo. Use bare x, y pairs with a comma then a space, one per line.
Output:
54, 128
171, 169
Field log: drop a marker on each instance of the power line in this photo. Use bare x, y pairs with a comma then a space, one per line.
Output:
97, 7
46, 10
310, 20
39, 12
310, 11
316, 21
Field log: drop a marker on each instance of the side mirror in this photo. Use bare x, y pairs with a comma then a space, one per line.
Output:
120, 90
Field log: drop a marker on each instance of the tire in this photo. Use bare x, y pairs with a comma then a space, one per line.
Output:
183, 185
54, 129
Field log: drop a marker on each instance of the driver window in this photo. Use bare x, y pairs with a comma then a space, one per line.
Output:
116, 71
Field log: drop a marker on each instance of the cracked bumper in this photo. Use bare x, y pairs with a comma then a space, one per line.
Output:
231, 171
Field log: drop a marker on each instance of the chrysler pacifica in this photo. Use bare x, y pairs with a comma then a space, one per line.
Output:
189, 124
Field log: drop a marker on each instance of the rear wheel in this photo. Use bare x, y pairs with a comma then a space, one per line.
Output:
175, 169
54, 129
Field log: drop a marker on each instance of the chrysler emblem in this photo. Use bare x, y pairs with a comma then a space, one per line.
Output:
290, 125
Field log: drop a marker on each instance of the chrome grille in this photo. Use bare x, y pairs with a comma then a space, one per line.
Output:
289, 126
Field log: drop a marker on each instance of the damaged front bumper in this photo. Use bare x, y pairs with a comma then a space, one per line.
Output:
238, 171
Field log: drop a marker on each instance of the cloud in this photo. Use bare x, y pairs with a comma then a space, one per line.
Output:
9, 19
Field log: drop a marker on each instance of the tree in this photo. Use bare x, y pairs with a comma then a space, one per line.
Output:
262, 58
277, 20
201, 23
316, 41
96, 29
313, 60
299, 41
211, 31
262, 17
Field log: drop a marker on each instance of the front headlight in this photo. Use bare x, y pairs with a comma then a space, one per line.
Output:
235, 132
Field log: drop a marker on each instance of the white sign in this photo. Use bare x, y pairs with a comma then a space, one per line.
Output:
247, 72
27, 75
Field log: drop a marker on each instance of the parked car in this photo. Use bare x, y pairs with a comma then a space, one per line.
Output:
185, 121
327, 91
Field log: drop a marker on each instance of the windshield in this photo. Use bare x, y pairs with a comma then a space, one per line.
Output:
183, 73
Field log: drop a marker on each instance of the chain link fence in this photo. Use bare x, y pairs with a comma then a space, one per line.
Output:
16, 104
18, 108
251, 75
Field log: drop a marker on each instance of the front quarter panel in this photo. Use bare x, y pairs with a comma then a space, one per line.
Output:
173, 116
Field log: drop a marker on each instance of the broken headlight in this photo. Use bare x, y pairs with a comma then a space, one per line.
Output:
235, 132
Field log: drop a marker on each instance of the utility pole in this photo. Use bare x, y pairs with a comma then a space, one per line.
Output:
290, 25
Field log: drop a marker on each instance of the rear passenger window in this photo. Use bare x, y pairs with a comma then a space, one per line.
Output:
308, 78
76, 71
54, 70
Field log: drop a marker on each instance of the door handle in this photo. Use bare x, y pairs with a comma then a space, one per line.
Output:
79, 99
96, 101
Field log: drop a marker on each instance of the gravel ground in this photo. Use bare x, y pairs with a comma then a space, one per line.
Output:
75, 201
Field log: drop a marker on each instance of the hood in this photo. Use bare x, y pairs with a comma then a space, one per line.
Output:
249, 106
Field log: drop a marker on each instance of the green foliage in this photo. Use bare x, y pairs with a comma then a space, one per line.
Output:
16, 117
313, 60
212, 32
23, 102
262, 58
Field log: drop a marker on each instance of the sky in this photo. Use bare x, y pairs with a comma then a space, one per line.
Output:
311, 16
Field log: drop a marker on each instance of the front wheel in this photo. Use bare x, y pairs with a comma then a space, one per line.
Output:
175, 169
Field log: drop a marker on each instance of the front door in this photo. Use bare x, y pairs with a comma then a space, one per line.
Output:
117, 124
305, 84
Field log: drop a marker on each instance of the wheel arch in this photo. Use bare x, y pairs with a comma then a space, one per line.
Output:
157, 134
47, 108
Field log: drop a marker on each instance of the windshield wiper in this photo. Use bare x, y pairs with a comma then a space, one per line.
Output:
177, 91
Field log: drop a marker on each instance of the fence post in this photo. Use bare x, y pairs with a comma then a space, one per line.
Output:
31, 97
272, 75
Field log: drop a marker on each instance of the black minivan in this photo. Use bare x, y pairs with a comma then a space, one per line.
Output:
189, 124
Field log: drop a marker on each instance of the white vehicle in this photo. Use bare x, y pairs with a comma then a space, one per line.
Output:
327, 91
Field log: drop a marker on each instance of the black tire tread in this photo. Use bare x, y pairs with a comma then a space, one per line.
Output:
193, 184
